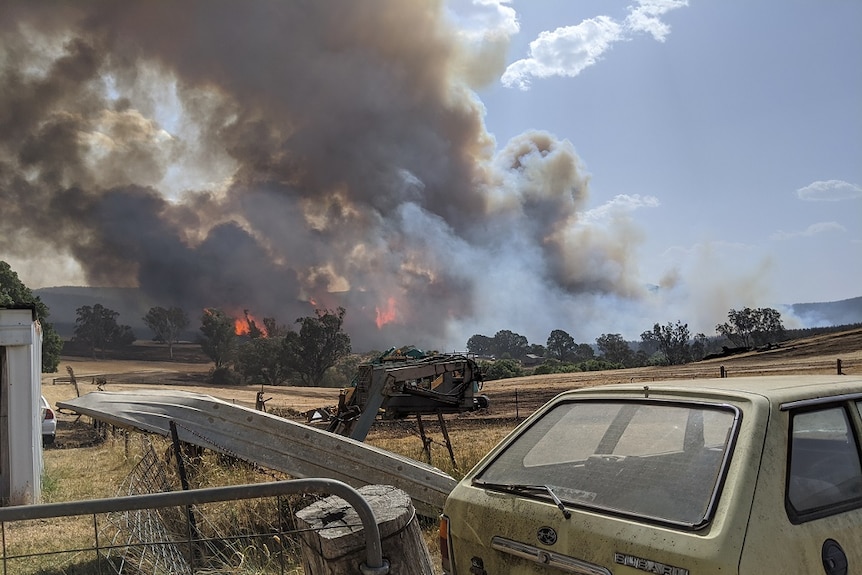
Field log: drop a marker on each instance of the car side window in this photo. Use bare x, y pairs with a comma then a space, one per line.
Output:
824, 470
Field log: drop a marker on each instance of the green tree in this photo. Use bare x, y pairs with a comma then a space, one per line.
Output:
263, 358
501, 369
14, 293
752, 327
699, 346
551, 365
480, 345
218, 337
615, 349
318, 345
96, 327
561, 345
583, 352
509, 344
537, 349
167, 325
672, 340
345, 370
599, 364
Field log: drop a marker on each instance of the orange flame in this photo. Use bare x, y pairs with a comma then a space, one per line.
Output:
387, 315
241, 324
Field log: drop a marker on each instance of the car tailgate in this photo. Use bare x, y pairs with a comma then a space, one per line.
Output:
523, 540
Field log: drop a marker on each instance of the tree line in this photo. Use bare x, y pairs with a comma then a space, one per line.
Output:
669, 344
274, 354
270, 353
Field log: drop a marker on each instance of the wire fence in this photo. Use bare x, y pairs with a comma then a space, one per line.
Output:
153, 529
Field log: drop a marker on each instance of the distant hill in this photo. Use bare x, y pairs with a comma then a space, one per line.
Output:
64, 301
844, 312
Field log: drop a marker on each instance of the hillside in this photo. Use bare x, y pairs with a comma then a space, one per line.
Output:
63, 302
828, 313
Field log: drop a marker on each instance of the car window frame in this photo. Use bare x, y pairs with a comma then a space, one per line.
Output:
847, 403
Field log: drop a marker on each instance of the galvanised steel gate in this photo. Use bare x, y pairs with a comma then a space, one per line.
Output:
163, 533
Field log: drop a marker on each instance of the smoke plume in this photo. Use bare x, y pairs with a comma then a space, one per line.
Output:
282, 156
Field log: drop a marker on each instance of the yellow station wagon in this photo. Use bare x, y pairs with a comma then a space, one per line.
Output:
749, 475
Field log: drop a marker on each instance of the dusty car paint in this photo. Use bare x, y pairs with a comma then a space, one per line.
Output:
749, 530
772, 540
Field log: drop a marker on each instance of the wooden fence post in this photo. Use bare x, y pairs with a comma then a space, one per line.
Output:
333, 542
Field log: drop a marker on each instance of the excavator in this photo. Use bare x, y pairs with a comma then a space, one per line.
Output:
406, 381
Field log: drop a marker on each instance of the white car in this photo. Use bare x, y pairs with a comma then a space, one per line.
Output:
49, 422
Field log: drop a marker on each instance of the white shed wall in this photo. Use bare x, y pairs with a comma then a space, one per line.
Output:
20, 391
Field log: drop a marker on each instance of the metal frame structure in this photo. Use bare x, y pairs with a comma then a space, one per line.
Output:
374, 563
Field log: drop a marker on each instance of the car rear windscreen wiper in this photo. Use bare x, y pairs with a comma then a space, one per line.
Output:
525, 487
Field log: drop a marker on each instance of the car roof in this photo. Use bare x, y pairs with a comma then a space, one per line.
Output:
778, 389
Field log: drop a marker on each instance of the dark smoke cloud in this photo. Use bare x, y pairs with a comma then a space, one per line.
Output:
278, 156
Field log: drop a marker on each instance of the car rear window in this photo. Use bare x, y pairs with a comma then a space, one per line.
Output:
655, 460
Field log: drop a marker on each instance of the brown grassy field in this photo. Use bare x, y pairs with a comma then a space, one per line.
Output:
83, 465
814, 355
472, 434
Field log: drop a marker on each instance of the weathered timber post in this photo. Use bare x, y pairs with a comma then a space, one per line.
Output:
333, 543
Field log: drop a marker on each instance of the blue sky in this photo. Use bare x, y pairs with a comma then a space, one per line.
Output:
741, 121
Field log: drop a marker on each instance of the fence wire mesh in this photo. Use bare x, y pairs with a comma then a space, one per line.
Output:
242, 536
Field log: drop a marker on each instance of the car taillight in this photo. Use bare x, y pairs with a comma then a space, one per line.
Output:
445, 555
49, 413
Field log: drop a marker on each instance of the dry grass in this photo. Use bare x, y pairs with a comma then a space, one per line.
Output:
85, 473
79, 467
43, 546
70, 475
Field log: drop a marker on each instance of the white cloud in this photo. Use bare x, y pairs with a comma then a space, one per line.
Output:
621, 204
479, 18
830, 191
569, 50
810, 231
646, 17
564, 52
